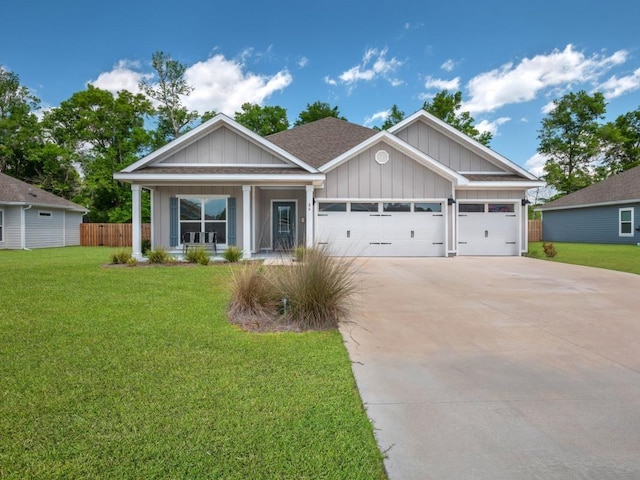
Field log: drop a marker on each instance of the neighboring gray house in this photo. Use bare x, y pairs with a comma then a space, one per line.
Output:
605, 212
421, 188
33, 218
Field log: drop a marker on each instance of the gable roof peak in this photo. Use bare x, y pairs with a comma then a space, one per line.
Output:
14, 191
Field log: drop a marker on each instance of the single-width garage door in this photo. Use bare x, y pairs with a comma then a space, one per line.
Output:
382, 229
487, 229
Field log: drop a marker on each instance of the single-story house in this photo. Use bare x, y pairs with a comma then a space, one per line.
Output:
422, 188
605, 212
34, 218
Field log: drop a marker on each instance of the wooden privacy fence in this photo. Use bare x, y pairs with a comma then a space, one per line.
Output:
110, 234
535, 230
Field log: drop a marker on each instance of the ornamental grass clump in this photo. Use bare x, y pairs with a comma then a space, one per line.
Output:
232, 254
319, 292
121, 256
253, 294
159, 255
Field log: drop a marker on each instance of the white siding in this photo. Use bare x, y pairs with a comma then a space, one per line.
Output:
223, 146
72, 221
44, 231
444, 149
401, 177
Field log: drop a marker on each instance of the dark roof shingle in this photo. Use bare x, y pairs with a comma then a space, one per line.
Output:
319, 142
13, 190
624, 186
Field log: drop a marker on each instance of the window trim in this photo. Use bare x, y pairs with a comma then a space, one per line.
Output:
621, 222
202, 219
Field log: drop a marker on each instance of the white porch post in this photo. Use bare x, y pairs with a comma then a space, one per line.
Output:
246, 221
135, 222
309, 217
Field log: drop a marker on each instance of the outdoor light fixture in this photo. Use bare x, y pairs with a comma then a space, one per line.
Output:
525, 202
451, 201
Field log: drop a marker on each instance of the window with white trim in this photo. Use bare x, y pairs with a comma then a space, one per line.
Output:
45, 213
625, 222
204, 214
1, 225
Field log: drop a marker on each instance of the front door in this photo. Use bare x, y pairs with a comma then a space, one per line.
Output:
284, 225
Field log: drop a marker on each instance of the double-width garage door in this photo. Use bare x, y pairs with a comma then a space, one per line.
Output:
487, 229
384, 229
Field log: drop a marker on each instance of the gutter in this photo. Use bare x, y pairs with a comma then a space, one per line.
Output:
23, 228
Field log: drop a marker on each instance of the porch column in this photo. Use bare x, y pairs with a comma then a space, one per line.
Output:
309, 217
135, 223
246, 221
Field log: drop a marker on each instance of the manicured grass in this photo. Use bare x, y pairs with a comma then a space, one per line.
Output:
624, 258
134, 372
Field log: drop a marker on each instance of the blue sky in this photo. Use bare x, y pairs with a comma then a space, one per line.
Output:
509, 60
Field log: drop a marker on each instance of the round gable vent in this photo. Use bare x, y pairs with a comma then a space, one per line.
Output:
382, 157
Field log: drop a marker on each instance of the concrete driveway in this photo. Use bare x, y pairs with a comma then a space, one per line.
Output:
499, 368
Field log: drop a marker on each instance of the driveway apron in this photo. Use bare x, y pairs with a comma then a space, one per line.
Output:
499, 368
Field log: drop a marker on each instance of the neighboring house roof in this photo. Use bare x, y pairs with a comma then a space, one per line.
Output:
621, 188
319, 142
17, 192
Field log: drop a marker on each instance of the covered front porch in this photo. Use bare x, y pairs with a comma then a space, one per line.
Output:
259, 218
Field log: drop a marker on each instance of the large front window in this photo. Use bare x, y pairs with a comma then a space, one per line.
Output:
204, 214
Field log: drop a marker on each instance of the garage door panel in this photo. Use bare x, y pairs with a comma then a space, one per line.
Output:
385, 234
488, 233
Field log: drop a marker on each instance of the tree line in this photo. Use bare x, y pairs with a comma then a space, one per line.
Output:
73, 150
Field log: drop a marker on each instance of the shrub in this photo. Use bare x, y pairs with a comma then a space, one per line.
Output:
159, 255
232, 254
197, 255
549, 250
132, 262
253, 294
319, 292
121, 256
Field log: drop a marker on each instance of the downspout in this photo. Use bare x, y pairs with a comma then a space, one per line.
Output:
23, 229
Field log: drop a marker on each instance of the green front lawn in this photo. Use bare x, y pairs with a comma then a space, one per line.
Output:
624, 258
136, 373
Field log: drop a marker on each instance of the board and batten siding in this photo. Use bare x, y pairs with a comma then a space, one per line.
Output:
161, 209
44, 231
401, 177
444, 149
515, 195
588, 225
223, 146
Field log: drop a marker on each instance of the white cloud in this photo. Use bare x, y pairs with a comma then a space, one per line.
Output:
223, 85
123, 76
440, 84
491, 127
535, 164
516, 83
548, 108
614, 86
448, 66
303, 62
376, 117
374, 65
330, 81
218, 83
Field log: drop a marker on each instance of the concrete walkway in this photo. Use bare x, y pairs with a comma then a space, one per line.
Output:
499, 368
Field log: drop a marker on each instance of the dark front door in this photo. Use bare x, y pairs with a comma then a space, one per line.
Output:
284, 225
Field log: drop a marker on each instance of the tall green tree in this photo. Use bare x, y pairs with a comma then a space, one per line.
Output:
395, 116
103, 133
316, 111
263, 120
621, 143
448, 107
570, 138
173, 117
24, 152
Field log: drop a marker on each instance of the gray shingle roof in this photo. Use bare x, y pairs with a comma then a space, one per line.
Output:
16, 191
319, 142
624, 186
492, 177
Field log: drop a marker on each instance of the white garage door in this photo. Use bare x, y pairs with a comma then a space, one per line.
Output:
487, 229
382, 229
